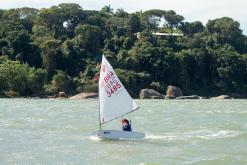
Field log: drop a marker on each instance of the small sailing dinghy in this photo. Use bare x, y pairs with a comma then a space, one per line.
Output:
115, 102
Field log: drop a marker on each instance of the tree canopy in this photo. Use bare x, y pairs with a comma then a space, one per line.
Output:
60, 48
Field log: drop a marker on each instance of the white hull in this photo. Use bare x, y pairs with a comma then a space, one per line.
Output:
118, 135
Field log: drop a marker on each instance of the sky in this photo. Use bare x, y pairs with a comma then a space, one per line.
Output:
192, 10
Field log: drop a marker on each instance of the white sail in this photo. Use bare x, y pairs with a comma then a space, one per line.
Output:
115, 101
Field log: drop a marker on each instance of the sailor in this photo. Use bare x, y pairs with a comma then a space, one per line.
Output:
126, 126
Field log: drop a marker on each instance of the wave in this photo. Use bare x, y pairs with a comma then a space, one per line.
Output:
211, 160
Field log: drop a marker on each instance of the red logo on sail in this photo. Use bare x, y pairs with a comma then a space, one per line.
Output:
103, 68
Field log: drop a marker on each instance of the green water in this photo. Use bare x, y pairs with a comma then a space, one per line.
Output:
55, 132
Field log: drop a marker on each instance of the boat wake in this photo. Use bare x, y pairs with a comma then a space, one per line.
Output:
185, 136
201, 134
160, 137
220, 134
95, 138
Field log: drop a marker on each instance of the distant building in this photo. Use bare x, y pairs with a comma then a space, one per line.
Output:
167, 34
138, 34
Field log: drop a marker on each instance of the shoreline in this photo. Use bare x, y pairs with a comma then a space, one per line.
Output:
60, 98
172, 93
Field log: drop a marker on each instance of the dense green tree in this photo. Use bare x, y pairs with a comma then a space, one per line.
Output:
43, 51
36, 81
197, 70
14, 75
226, 30
151, 19
61, 81
89, 38
20, 78
1, 13
134, 23
191, 28
62, 19
173, 20
73, 60
51, 50
121, 13
232, 70
107, 9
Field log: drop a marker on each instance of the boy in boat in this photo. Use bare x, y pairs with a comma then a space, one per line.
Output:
126, 126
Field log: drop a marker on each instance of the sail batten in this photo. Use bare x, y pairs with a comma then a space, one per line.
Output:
115, 101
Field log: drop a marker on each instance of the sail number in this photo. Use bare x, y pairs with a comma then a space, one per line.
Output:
111, 84
113, 89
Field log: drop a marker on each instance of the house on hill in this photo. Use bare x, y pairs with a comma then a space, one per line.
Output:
138, 34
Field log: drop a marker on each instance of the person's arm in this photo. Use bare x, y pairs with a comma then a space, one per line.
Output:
130, 126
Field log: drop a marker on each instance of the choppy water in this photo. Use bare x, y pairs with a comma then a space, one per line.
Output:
55, 132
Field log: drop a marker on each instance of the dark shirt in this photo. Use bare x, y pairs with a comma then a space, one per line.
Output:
127, 127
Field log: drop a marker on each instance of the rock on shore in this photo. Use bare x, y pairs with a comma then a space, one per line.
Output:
59, 95
173, 92
85, 95
188, 97
62, 95
222, 97
150, 94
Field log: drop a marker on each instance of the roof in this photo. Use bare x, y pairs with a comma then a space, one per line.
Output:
167, 34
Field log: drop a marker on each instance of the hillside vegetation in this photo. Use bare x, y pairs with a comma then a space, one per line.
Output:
60, 48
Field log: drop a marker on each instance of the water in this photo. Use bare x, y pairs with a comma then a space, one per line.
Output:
55, 132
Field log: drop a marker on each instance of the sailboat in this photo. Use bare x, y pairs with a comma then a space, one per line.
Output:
115, 102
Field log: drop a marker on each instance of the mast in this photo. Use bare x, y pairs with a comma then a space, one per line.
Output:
99, 116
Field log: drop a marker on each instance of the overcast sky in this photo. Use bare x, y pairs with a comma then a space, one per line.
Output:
192, 10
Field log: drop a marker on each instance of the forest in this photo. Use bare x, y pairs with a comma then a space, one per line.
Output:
44, 51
